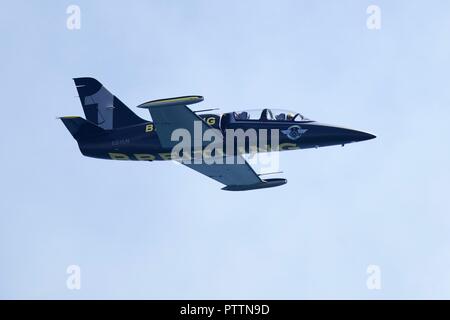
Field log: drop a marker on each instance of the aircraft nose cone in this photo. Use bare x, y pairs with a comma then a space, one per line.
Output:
329, 135
356, 136
362, 136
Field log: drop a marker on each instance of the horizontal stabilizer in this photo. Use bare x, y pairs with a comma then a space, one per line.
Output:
80, 128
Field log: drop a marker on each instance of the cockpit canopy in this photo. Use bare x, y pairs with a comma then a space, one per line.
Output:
269, 115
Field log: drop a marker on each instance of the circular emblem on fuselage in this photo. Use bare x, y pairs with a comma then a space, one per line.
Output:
294, 132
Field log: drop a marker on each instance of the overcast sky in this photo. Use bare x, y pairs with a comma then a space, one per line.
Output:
159, 230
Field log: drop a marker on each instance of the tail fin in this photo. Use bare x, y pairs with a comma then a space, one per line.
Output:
103, 108
80, 128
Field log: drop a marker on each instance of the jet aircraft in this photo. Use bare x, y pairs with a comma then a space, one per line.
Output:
112, 131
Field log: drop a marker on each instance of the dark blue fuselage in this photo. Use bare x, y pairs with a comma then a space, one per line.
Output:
140, 142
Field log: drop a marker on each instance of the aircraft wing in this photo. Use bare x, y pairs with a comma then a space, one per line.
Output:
171, 114
236, 176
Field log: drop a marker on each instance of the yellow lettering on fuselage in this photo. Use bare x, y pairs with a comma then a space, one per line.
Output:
149, 127
207, 153
166, 156
144, 157
211, 121
118, 156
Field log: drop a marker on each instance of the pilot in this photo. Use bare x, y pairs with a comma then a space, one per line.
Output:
266, 114
241, 116
290, 117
